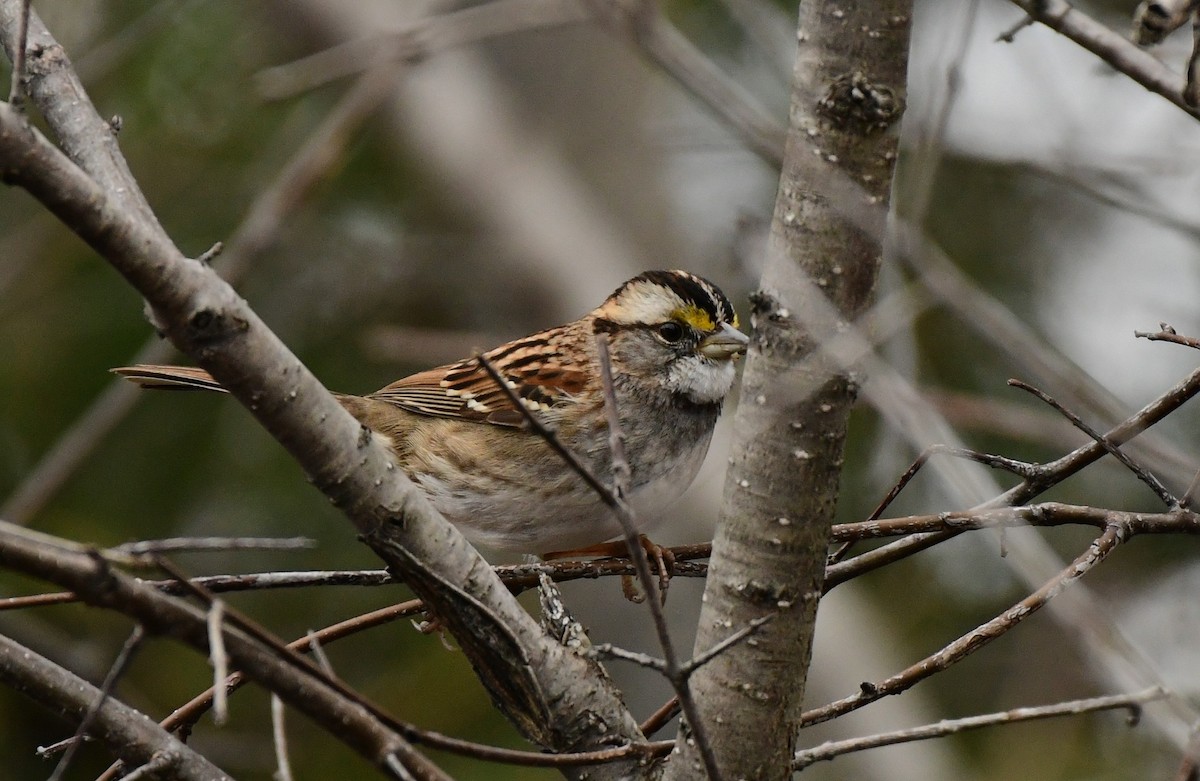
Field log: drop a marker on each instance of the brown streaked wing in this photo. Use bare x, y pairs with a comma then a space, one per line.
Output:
533, 366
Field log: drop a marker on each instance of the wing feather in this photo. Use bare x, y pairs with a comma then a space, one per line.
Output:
535, 367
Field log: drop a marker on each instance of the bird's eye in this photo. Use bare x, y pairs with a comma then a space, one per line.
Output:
670, 331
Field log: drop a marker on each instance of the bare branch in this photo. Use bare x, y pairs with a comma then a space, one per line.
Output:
253, 236
219, 661
977, 638
1177, 521
1047, 476
1139, 471
124, 657
657, 720
195, 544
836, 748
518, 577
1125, 56
89, 575
125, 732
1168, 334
283, 767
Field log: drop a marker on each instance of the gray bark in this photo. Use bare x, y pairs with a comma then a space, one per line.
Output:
127, 733
781, 490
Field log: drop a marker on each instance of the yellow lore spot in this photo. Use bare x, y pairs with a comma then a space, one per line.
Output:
695, 317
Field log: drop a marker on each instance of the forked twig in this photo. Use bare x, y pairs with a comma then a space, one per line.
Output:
1019, 468
119, 665
1044, 477
1168, 334
958, 650
1139, 471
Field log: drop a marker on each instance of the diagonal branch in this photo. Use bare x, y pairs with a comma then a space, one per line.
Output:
956, 651
556, 697
836, 748
103, 586
126, 732
1110, 46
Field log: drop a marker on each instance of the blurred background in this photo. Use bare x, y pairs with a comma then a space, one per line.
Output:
502, 185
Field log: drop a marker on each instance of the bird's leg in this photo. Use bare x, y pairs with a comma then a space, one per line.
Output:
662, 558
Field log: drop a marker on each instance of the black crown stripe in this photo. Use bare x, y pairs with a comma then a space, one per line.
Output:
692, 289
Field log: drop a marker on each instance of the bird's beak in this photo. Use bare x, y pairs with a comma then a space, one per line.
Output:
724, 344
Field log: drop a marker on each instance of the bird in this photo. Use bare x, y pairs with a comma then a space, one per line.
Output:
673, 339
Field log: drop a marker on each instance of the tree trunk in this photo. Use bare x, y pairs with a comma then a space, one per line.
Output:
781, 491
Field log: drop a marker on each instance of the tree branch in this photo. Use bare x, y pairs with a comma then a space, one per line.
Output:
769, 552
101, 585
1110, 46
125, 732
958, 650
836, 748
556, 697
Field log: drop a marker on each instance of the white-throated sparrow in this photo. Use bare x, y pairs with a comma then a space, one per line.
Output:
672, 339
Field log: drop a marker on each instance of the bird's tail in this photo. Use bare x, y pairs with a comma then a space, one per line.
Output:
169, 377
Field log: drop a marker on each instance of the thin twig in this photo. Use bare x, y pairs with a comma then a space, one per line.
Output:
610, 651
283, 766
958, 650
1139, 471
204, 544
698, 661
1009, 334
1045, 477
152, 769
119, 665
517, 577
836, 748
318, 652
1189, 496
1176, 521
550, 436
290, 653
123, 730
657, 720
1010, 35
184, 717
1019, 468
1168, 334
621, 511
218, 660
1110, 46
